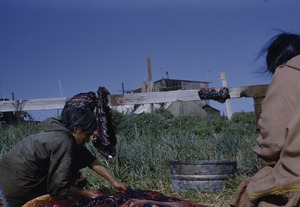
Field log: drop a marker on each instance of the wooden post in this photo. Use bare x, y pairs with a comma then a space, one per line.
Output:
149, 69
257, 109
228, 108
150, 83
144, 87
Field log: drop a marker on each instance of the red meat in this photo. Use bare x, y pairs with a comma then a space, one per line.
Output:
129, 198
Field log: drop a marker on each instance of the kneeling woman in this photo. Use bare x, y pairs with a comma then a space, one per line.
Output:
47, 162
279, 139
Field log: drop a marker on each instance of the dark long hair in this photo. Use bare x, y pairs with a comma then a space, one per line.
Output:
81, 118
280, 49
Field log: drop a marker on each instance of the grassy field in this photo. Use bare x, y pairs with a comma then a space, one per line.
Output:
146, 143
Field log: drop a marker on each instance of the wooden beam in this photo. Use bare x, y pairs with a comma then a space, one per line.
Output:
149, 69
254, 91
153, 97
132, 99
33, 104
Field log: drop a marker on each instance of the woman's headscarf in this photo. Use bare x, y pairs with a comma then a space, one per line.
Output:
105, 137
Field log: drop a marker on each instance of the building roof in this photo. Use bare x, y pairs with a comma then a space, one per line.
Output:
176, 84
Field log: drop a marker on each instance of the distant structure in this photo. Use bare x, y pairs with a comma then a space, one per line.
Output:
200, 108
173, 84
7, 118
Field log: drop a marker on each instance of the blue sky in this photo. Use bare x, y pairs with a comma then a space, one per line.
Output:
92, 43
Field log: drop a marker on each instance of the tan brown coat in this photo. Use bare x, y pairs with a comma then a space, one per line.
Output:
279, 141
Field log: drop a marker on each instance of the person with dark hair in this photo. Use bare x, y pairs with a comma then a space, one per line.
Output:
47, 162
278, 142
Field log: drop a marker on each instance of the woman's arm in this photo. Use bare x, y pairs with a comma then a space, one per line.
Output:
278, 108
99, 169
74, 191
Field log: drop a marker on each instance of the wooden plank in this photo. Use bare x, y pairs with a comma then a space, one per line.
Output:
33, 104
153, 97
131, 99
183, 95
248, 91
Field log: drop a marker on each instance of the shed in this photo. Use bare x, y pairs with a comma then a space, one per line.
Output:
8, 117
200, 108
188, 108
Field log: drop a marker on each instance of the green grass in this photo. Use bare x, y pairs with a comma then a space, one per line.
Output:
10, 135
146, 143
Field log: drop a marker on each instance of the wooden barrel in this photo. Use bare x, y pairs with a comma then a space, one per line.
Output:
204, 175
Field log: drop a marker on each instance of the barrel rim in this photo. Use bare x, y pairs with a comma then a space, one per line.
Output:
202, 162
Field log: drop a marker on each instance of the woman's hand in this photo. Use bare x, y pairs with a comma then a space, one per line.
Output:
120, 186
98, 168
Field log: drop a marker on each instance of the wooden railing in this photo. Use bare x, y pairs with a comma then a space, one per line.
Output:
257, 92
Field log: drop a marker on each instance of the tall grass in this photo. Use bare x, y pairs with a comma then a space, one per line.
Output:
146, 143
11, 135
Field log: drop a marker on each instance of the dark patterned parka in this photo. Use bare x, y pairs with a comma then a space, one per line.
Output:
44, 163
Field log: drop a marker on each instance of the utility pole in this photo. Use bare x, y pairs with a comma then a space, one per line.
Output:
123, 89
1, 89
60, 88
61, 94
228, 108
